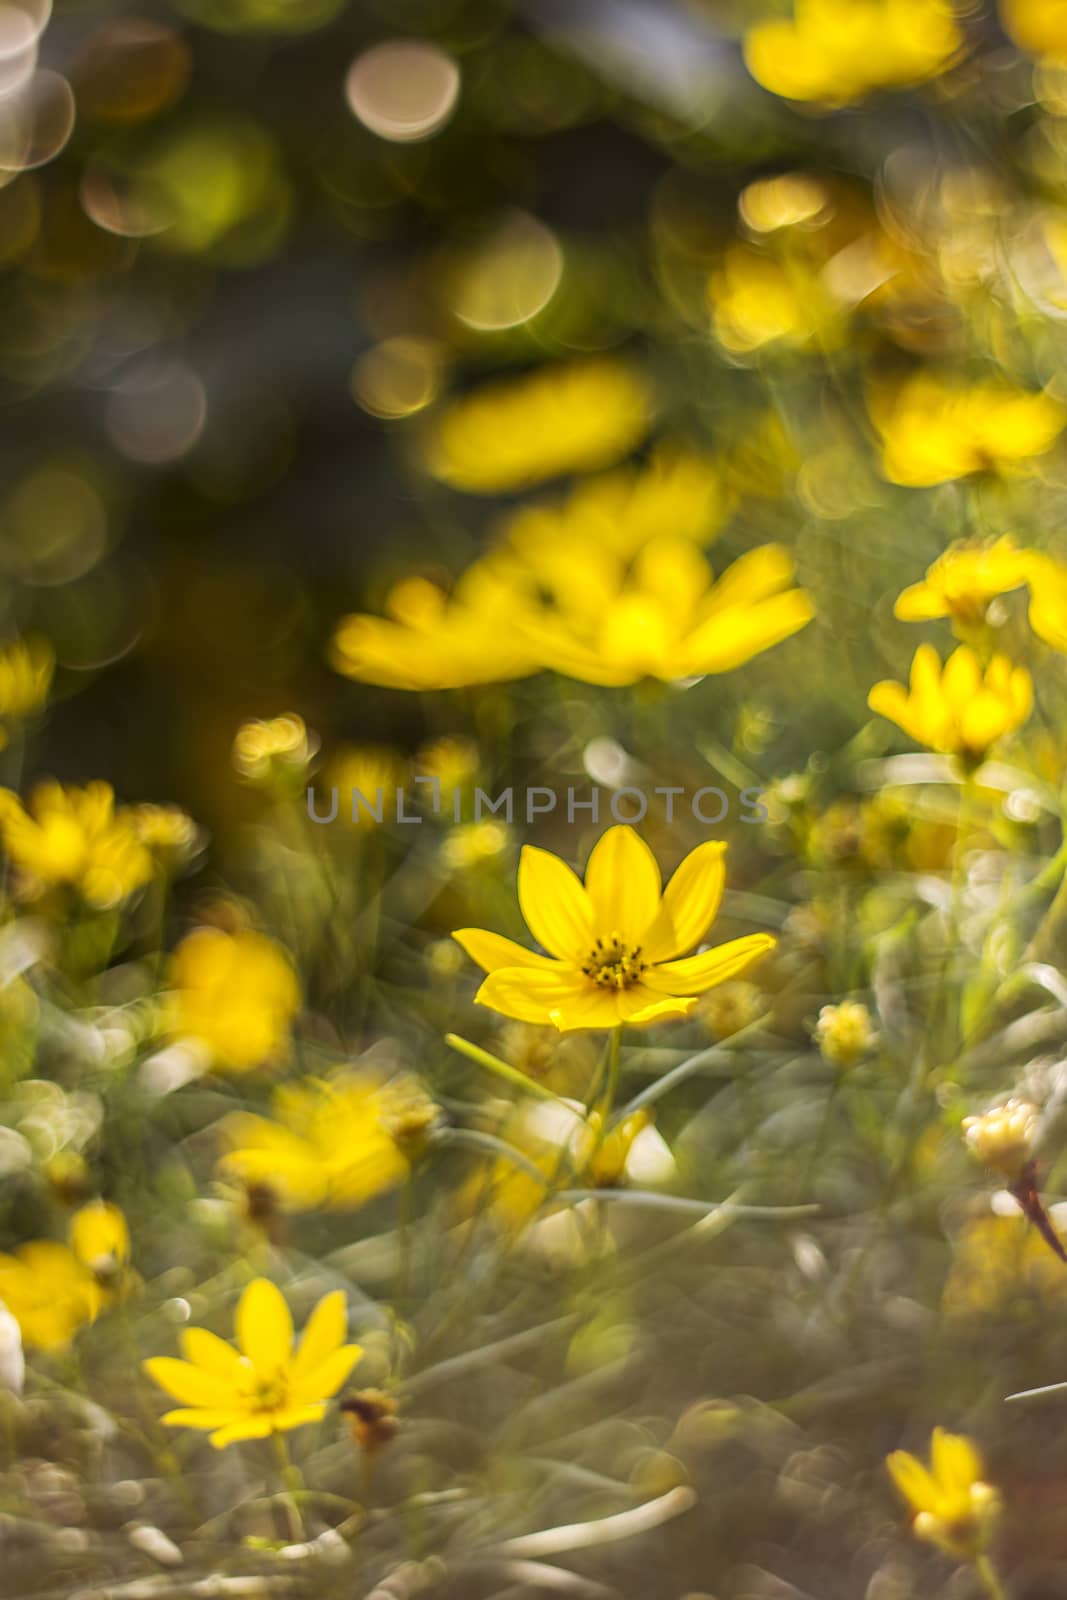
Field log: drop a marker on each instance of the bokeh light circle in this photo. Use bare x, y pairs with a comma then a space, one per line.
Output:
403, 90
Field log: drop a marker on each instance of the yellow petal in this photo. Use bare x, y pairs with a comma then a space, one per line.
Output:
641, 1005
322, 1381
557, 910
955, 1461
257, 1426
192, 1385
698, 973
297, 1416
325, 1331
210, 1353
920, 602
492, 950
200, 1417
264, 1326
561, 1001
913, 1480
623, 882
729, 639
690, 902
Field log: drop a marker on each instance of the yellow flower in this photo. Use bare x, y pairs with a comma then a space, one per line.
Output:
756, 300
432, 640
1002, 1138
962, 581
837, 51
1002, 1264
50, 1292
845, 1033
663, 616
262, 1387
516, 432
26, 667
100, 1239
935, 428
613, 942
235, 993
366, 777
333, 1143
74, 838
167, 831
953, 1507
956, 710
1048, 600
676, 489
267, 752
1037, 26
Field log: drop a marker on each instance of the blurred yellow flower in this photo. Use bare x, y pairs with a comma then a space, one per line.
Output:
953, 1507
613, 942
366, 777
50, 1292
26, 667
516, 432
1048, 600
664, 616
998, 1263
167, 831
234, 993
262, 1387
279, 749
333, 1143
464, 847
961, 582
837, 51
74, 838
100, 1239
1037, 26
432, 640
935, 428
956, 709
756, 300
845, 1033
1002, 1138
676, 490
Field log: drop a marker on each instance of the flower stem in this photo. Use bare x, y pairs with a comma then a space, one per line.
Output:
294, 1485
991, 1583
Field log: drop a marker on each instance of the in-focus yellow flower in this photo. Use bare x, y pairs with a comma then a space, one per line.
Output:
954, 1508
26, 667
234, 993
935, 428
50, 1292
756, 301
1037, 26
676, 490
262, 1387
961, 582
516, 432
613, 942
837, 51
272, 751
432, 640
663, 615
74, 838
1003, 1137
957, 710
845, 1033
333, 1143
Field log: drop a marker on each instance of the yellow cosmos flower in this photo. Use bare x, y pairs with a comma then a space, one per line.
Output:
838, 51
757, 301
26, 668
613, 943
432, 640
261, 1387
52, 1289
956, 710
664, 616
333, 1142
953, 1507
235, 993
1048, 600
935, 428
1037, 26
520, 431
961, 582
625, 508
74, 838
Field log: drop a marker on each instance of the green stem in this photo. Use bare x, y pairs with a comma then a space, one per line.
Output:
294, 1485
990, 1581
